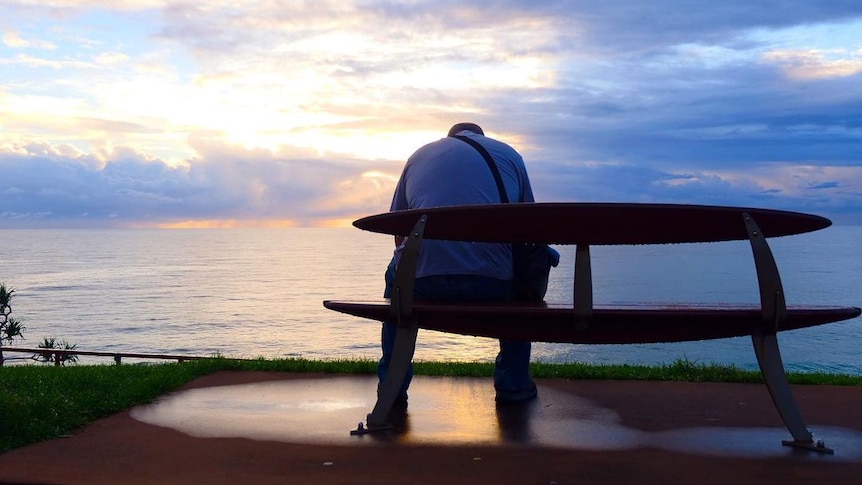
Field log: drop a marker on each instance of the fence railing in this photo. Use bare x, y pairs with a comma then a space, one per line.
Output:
56, 355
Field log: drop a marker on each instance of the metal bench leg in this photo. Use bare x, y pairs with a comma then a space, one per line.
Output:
405, 335
402, 356
773, 315
769, 359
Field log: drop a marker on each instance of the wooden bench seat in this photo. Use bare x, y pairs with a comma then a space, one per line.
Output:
610, 324
583, 225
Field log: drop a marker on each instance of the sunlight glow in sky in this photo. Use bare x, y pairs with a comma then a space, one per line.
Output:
137, 113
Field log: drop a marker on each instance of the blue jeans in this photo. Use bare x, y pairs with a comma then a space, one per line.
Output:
512, 365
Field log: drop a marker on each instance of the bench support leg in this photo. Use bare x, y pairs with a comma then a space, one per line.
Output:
402, 356
405, 335
583, 292
769, 359
764, 338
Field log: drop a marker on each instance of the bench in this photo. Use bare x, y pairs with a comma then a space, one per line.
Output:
585, 225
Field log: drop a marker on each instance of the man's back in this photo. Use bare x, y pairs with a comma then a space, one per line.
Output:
451, 172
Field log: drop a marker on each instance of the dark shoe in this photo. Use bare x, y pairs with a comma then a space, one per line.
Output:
520, 395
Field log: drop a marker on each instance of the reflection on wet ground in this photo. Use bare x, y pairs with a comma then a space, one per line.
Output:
450, 411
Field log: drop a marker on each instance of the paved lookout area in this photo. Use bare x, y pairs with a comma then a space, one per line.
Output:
277, 428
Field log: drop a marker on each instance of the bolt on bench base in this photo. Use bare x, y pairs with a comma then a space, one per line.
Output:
817, 445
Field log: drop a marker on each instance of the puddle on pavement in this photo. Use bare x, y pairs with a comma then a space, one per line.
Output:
450, 411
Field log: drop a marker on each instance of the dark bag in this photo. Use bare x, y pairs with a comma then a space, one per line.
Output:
531, 262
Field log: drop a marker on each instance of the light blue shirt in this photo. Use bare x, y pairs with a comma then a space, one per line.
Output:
449, 172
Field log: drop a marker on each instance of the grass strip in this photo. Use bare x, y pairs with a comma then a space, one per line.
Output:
44, 402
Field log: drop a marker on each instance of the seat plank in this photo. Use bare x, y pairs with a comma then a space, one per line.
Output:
610, 324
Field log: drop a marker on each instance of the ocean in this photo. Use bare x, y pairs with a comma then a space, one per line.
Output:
258, 293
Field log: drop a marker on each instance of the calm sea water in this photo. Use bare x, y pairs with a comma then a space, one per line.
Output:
258, 292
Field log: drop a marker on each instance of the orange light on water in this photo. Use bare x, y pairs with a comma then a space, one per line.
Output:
336, 223
228, 224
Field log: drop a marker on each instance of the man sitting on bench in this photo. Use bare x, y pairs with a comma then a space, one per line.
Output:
450, 172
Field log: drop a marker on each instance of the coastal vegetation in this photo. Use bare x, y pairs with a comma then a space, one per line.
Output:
44, 402
10, 328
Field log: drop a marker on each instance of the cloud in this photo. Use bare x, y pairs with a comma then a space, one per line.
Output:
111, 58
58, 185
775, 186
816, 64
13, 40
31, 61
833, 184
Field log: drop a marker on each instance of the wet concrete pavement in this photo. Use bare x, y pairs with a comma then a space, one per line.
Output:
244, 427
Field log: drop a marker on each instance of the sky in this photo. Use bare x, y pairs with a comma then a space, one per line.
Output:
256, 113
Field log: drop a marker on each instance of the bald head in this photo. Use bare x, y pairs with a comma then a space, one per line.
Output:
465, 126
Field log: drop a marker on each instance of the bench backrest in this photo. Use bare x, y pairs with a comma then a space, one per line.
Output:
592, 223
